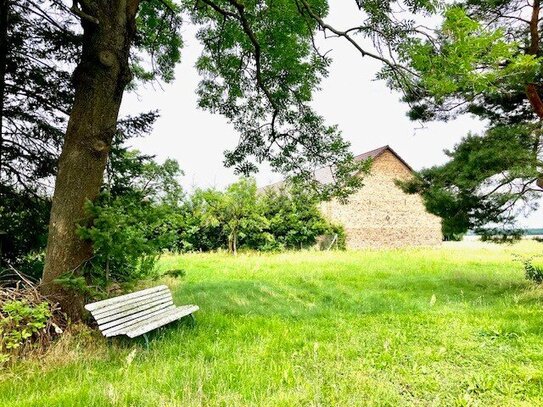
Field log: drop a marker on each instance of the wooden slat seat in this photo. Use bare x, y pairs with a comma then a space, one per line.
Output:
137, 313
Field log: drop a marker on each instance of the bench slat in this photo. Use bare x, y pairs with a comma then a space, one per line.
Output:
161, 320
148, 313
133, 307
107, 310
122, 327
123, 298
141, 311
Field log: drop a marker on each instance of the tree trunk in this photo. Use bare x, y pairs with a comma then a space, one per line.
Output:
531, 89
4, 13
233, 242
99, 81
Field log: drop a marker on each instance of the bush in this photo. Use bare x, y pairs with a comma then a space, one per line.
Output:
295, 221
128, 237
20, 322
134, 220
533, 272
28, 322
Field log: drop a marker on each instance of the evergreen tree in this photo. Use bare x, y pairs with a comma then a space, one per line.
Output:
486, 60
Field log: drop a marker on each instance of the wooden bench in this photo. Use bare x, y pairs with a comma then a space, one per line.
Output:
137, 313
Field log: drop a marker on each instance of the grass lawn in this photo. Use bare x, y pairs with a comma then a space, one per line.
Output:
457, 325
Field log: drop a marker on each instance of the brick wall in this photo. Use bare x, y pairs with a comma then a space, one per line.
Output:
381, 214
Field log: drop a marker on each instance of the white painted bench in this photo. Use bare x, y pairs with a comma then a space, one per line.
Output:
137, 313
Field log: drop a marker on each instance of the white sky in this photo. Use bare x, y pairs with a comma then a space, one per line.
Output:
367, 112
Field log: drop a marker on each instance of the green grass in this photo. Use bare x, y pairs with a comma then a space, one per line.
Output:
452, 326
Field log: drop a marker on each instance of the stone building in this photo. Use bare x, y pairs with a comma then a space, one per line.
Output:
380, 214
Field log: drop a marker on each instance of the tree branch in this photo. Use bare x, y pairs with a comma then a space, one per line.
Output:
81, 14
345, 34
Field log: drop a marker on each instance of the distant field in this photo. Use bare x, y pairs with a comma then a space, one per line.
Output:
457, 325
528, 234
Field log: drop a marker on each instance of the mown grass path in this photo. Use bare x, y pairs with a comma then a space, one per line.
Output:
452, 326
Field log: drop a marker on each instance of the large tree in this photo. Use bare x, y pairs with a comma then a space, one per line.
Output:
485, 59
113, 33
39, 43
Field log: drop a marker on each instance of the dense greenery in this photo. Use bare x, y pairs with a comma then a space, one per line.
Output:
242, 216
458, 325
20, 322
295, 220
23, 228
143, 213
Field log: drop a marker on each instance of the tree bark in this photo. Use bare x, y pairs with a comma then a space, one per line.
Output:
4, 13
99, 81
233, 242
534, 49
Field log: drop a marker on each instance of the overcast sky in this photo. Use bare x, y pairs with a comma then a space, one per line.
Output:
366, 111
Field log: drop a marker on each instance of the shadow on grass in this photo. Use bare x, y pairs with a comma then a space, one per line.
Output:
301, 298
154, 336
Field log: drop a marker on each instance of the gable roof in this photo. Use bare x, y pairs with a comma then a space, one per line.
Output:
379, 151
325, 175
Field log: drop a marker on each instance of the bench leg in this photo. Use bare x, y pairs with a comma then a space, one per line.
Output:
146, 340
192, 320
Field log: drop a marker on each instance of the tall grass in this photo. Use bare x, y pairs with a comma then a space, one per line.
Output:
452, 326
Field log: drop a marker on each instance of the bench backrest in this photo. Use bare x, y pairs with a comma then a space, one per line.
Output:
128, 309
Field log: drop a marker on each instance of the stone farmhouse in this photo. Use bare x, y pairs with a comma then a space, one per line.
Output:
380, 214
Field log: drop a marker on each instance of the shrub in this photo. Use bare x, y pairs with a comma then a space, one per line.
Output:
533, 272
295, 221
128, 236
27, 320
134, 220
20, 321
